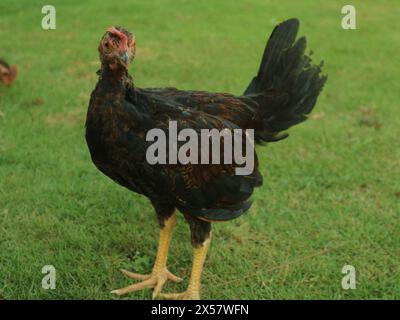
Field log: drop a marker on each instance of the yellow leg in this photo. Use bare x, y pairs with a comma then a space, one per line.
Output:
193, 290
160, 273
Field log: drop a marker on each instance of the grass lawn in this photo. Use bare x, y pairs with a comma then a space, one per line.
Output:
331, 195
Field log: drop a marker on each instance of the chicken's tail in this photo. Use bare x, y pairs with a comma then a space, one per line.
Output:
287, 85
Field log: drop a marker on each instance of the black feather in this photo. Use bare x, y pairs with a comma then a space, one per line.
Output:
287, 85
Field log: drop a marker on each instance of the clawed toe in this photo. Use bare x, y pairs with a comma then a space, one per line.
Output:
134, 275
155, 280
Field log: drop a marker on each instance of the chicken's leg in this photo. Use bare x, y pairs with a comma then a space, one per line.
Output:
193, 290
160, 273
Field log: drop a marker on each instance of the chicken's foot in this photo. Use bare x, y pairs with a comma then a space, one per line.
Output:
160, 273
193, 290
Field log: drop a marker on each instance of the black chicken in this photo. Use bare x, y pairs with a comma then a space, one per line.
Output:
120, 114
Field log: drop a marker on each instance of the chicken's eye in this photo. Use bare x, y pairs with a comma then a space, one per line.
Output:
107, 45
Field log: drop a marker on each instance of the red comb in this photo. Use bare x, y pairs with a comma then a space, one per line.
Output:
120, 35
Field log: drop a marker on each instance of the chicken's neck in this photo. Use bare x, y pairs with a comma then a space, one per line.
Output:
114, 79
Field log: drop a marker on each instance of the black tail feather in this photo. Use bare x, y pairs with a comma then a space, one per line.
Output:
219, 213
287, 84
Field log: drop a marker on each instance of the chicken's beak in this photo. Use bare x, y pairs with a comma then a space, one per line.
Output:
124, 57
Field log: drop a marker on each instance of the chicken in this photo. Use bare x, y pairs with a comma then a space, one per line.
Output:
7, 73
120, 115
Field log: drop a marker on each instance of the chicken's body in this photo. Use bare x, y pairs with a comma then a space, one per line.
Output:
120, 115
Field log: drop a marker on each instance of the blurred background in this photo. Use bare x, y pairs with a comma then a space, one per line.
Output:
331, 194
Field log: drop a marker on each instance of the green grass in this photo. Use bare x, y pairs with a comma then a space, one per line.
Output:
332, 190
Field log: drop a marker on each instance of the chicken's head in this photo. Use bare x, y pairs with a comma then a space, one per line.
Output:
117, 48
